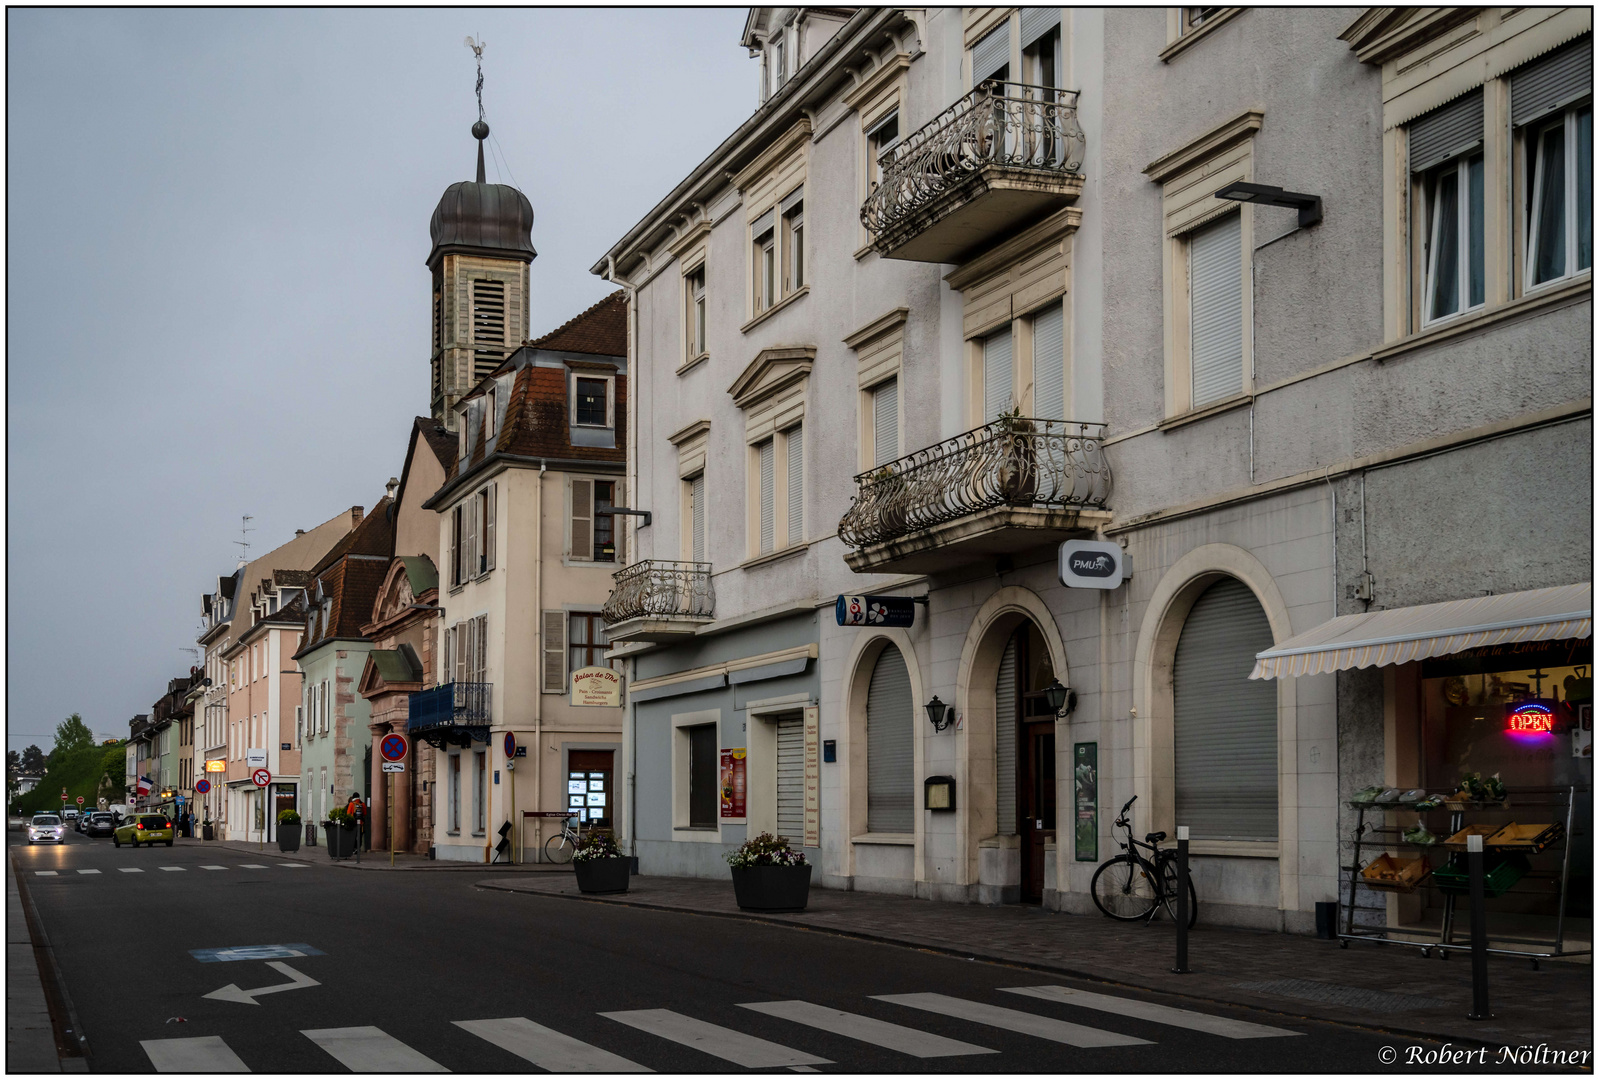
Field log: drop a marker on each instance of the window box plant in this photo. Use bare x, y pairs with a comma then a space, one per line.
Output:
768, 875
340, 829
600, 865
288, 830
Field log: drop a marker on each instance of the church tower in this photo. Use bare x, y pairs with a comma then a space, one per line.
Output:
482, 246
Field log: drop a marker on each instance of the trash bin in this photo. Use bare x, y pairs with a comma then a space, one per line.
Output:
1326, 919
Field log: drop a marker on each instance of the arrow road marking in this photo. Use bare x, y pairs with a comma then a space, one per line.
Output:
231, 992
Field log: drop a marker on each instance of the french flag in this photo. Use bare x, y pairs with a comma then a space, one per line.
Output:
144, 785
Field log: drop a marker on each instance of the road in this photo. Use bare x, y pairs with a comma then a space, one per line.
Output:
422, 971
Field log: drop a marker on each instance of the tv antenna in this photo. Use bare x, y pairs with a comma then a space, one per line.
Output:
244, 532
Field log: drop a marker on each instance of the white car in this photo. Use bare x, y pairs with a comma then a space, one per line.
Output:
46, 828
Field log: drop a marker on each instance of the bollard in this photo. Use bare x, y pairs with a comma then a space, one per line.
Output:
1479, 931
1182, 901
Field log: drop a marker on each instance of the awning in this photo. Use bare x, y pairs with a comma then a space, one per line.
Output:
1400, 635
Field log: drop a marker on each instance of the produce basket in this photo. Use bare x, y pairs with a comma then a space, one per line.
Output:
1499, 874
1459, 802
1459, 839
1388, 872
1525, 838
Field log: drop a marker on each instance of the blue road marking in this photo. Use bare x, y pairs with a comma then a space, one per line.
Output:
253, 952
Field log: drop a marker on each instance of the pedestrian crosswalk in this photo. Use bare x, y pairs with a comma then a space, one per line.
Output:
373, 1049
180, 869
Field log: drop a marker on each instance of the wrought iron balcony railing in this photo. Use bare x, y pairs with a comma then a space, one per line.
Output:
998, 123
1012, 461
454, 712
658, 588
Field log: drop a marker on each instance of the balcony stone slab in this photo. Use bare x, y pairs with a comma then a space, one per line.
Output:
987, 534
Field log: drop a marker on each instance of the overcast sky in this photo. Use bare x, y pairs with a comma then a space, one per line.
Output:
217, 303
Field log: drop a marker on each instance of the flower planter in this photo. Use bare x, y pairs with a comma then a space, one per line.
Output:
603, 875
340, 839
288, 836
772, 888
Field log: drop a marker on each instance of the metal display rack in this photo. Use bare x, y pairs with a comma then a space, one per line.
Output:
1384, 838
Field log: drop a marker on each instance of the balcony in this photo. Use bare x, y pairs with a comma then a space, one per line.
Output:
1009, 485
455, 713
657, 600
1003, 155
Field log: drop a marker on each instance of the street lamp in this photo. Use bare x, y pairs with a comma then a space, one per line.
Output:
1309, 206
1060, 699
941, 715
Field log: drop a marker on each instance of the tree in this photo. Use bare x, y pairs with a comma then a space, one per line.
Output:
33, 763
72, 734
13, 764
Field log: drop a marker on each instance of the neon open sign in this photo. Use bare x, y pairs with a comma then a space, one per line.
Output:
1531, 720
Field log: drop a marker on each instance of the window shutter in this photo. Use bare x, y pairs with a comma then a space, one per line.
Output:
1038, 21
1551, 81
582, 519
796, 484
1005, 712
488, 326
455, 542
1216, 310
697, 495
472, 508
996, 374
554, 652
619, 524
1445, 132
1224, 737
1049, 360
890, 766
991, 54
447, 657
885, 421
463, 650
767, 495
791, 778
488, 525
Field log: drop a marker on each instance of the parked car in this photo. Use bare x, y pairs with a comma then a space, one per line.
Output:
81, 818
99, 823
46, 829
69, 814
144, 829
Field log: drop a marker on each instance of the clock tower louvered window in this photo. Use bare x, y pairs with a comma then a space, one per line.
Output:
488, 326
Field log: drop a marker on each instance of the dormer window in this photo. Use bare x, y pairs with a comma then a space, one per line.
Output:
488, 420
593, 401
777, 62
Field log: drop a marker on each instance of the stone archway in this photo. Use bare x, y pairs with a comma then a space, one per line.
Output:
859, 664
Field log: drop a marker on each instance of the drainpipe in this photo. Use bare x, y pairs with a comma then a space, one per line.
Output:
630, 718
538, 613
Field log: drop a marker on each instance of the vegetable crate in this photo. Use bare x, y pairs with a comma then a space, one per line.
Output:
1388, 872
1499, 875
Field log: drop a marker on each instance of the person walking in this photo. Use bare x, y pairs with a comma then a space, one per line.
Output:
357, 811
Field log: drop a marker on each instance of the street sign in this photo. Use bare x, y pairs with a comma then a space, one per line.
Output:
260, 778
510, 745
80, 800
63, 796
393, 766
202, 785
255, 757
394, 747
1092, 564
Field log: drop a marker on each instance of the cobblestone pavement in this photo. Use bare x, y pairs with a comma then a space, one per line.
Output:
1376, 986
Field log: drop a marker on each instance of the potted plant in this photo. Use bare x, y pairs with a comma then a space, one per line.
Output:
207, 830
600, 865
1018, 470
341, 833
288, 830
768, 875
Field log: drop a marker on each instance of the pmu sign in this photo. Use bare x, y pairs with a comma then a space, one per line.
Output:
1093, 564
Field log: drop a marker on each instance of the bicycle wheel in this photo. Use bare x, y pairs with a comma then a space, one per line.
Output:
558, 848
1123, 889
1168, 892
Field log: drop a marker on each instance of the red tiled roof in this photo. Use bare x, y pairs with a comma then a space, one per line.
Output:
599, 331
374, 536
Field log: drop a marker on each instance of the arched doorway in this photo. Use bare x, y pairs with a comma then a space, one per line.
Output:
1024, 753
890, 746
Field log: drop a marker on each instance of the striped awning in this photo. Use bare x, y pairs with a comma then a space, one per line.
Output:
1400, 635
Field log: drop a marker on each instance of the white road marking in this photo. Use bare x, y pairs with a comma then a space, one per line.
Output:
547, 1048
251, 866
294, 864
177, 868
231, 992
1043, 1027
370, 1049
206, 1054
213, 868
131, 869
725, 1043
46, 873
88, 871
1161, 1014
867, 1029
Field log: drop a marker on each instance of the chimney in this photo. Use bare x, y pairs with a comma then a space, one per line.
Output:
392, 486
299, 532
356, 514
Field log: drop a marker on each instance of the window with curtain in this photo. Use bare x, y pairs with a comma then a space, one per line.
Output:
890, 747
1454, 239
1216, 309
586, 641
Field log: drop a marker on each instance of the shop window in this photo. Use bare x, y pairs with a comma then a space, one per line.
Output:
703, 797
1224, 734
480, 792
589, 786
890, 747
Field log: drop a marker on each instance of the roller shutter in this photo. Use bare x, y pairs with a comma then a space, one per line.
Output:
885, 422
1038, 21
1005, 713
991, 54
1049, 363
1224, 741
768, 493
996, 374
1446, 132
890, 766
791, 778
697, 494
796, 484
1216, 310
1551, 81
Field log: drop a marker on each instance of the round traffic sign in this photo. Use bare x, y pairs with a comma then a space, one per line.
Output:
393, 747
261, 778
63, 796
80, 800
510, 746
202, 785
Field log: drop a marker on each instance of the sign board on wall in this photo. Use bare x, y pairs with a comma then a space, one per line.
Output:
216, 765
734, 782
255, 758
1085, 800
597, 686
1092, 564
874, 610
813, 778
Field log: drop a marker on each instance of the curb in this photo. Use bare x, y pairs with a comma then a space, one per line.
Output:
72, 1045
989, 958
373, 861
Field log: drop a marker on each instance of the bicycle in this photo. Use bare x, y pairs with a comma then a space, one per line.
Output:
1131, 886
560, 847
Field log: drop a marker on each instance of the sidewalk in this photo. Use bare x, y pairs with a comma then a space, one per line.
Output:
30, 1035
1383, 987
372, 860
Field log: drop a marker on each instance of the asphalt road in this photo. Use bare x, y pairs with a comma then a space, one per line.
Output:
476, 980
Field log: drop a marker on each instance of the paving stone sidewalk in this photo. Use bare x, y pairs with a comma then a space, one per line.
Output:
1386, 987
373, 860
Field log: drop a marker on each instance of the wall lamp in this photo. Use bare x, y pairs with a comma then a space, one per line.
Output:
1309, 206
940, 714
645, 514
1062, 700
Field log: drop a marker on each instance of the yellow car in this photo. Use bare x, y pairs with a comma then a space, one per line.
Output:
144, 829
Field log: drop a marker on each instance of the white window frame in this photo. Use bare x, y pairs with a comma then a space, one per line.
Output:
1461, 167
764, 266
1533, 139
695, 321
610, 398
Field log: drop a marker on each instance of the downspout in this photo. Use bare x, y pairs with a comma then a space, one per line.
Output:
538, 613
630, 717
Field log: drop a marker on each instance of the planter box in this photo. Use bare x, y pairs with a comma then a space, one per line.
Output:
603, 875
340, 839
772, 888
288, 836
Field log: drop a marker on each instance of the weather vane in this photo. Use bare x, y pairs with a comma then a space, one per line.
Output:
477, 51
